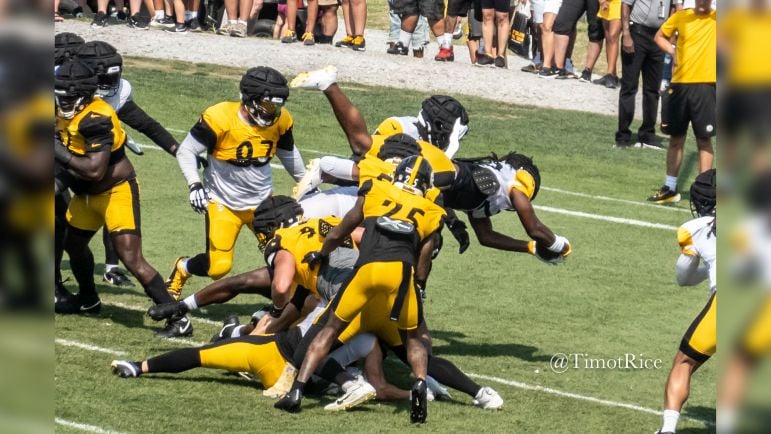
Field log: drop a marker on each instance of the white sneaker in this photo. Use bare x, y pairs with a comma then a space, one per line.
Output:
356, 393
437, 390
283, 384
309, 181
488, 398
319, 79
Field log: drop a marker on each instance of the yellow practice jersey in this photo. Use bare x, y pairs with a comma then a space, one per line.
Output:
443, 167
300, 240
398, 125
95, 129
696, 46
395, 222
747, 34
229, 137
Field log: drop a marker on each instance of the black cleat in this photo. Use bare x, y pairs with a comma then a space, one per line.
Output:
60, 292
100, 20
116, 277
291, 402
161, 311
176, 328
77, 304
230, 323
399, 49
419, 402
126, 369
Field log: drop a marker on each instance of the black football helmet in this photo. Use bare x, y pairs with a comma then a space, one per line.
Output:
74, 87
704, 194
274, 213
106, 62
414, 175
65, 46
437, 117
263, 92
522, 162
398, 147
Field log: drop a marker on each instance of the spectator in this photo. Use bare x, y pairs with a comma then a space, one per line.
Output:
135, 6
433, 10
610, 14
238, 12
474, 30
419, 36
565, 24
164, 12
100, 19
455, 10
535, 25
692, 93
495, 16
328, 18
290, 35
550, 10
178, 6
278, 28
640, 20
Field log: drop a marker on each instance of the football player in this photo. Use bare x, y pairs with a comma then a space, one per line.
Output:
240, 139
91, 149
696, 263
399, 227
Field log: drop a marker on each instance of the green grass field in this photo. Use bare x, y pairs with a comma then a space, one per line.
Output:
494, 314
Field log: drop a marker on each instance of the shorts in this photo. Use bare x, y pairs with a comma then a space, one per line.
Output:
331, 279
257, 354
458, 8
433, 10
700, 340
498, 5
117, 208
756, 341
541, 7
474, 25
222, 228
690, 103
571, 11
613, 12
746, 110
328, 2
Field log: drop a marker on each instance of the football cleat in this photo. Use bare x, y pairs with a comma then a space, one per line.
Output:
665, 195
176, 328
289, 37
440, 392
284, 383
319, 79
134, 146
177, 278
488, 398
398, 48
309, 181
356, 393
663, 432
418, 402
78, 304
345, 42
230, 323
291, 402
116, 277
161, 311
126, 369
446, 54
359, 44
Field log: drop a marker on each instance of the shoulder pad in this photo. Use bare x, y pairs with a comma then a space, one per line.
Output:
325, 227
273, 246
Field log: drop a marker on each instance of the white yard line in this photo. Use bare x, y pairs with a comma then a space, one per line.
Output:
620, 220
572, 395
613, 199
69, 343
83, 426
141, 309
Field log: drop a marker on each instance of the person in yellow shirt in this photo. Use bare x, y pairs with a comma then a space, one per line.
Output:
610, 14
692, 95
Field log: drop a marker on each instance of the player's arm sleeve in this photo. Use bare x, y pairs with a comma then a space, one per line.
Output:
187, 158
132, 115
290, 156
689, 270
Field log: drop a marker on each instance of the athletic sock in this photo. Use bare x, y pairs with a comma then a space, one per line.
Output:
175, 361
156, 290
109, 267
405, 38
671, 182
670, 421
237, 330
197, 265
189, 301
340, 168
159, 15
188, 15
447, 40
241, 22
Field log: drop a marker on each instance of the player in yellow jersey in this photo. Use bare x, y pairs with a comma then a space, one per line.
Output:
92, 151
399, 227
240, 139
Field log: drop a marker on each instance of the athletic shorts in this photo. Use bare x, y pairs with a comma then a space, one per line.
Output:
222, 228
746, 110
474, 24
431, 9
498, 5
571, 11
458, 8
692, 104
257, 354
700, 340
756, 341
541, 7
117, 208
613, 12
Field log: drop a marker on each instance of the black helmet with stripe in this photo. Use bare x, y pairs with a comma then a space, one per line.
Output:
274, 213
414, 175
74, 87
704, 194
437, 117
263, 92
398, 147
106, 62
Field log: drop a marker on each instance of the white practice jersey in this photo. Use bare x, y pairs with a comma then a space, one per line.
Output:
335, 202
238, 188
753, 242
501, 199
121, 97
697, 238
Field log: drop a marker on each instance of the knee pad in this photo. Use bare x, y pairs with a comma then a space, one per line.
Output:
218, 268
595, 31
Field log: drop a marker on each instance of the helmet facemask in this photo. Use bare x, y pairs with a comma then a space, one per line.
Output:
264, 111
68, 105
108, 82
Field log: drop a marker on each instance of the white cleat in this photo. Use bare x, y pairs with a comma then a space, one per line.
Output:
488, 398
436, 390
356, 393
319, 79
309, 181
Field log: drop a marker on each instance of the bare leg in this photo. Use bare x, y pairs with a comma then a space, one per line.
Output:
488, 28
346, 5
129, 248
706, 154
560, 49
244, 9
502, 21
612, 33
675, 155
547, 39
359, 17
291, 15
679, 382
592, 54
329, 21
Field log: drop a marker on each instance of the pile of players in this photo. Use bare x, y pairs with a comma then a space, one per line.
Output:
350, 263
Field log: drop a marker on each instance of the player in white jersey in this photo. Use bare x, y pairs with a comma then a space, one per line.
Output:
697, 262
240, 139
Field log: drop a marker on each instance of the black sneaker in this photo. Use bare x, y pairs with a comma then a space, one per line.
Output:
500, 62
178, 28
564, 74
60, 292
653, 143
398, 48
100, 20
586, 76
136, 22
531, 68
230, 323
193, 25
120, 16
665, 195
176, 328
163, 23
161, 311
126, 369
622, 144
419, 402
116, 277
78, 304
611, 82
291, 402
602, 80
485, 60
547, 72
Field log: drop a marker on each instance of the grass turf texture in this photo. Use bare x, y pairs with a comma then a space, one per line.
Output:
490, 312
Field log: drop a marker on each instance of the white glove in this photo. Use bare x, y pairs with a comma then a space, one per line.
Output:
199, 198
458, 131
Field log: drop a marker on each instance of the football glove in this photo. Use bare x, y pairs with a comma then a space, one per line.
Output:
421, 286
547, 254
458, 230
199, 197
313, 259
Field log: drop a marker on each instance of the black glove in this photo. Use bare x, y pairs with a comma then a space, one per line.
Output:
275, 312
202, 162
459, 232
421, 285
313, 259
62, 155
